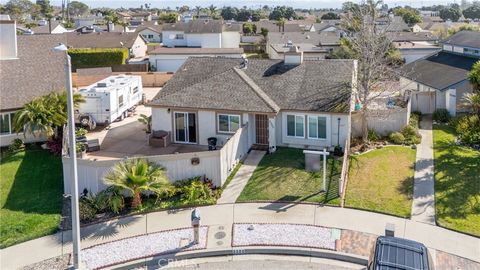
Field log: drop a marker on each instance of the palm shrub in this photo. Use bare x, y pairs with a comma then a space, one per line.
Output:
473, 100
139, 175
468, 129
147, 121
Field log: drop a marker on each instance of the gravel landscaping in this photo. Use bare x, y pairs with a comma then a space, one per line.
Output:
292, 235
142, 246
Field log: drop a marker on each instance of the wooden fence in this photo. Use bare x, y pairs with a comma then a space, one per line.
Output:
149, 79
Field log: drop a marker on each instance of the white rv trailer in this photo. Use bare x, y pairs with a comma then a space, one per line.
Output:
109, 99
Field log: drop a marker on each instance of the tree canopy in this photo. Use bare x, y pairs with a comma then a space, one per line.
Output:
284, 12
409, 15
76, 8
450, 14
330, 16
473, 12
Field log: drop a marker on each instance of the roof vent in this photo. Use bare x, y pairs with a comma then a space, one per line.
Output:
293, 57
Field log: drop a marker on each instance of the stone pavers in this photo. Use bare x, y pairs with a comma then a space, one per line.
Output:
239, 181
358, 243
423, 206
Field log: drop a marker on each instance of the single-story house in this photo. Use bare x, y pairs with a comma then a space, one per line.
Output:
288, 102
56, 28
29, 68
201, 33
272, 26
170, 59
392, 24
136, 44
441, 80
414, 45
151, 33
314, 45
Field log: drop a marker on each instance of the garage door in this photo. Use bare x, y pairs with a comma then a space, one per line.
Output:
424, 102
169, 65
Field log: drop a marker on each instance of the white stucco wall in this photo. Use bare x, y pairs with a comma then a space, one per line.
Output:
230, 39
411, 55
213, 40
332, 131
168, 39
161, 119
139, 47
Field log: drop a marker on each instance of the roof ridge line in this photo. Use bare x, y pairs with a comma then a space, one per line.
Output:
257, 89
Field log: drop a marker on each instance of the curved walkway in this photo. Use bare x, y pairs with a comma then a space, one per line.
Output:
224, 215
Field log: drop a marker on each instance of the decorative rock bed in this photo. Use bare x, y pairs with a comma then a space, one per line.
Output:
142, 246
292, 235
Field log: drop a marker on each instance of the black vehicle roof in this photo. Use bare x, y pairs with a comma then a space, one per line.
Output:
393, 253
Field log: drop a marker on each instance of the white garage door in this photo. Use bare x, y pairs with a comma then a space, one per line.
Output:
169, 65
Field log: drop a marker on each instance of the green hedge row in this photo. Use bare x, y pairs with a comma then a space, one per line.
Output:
90, 58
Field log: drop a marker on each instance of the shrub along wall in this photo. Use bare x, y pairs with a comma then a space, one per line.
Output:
90, 58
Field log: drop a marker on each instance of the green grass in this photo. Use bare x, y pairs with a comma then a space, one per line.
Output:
457, 183
30, 196
281, 177
382, 181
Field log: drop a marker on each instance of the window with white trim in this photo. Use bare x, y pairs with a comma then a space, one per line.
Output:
228, 123
6, 123
317, 127
120, 101
295, 126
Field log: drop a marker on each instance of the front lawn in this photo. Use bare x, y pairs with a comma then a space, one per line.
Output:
282, 177
382, 180
457, 182
30, 196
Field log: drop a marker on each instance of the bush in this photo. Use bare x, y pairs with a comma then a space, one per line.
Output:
415, 118
441, 115
54, 144
373, 136
90, 58
468, 128
411, 135
396, 138
16, 145
87, 211
194, 190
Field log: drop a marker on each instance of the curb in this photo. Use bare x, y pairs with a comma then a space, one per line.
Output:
324, 254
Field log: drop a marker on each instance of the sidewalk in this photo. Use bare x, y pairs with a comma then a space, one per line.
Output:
221, 217
239, 181
423, 206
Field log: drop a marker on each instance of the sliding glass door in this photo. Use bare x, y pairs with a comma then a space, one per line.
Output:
185, 127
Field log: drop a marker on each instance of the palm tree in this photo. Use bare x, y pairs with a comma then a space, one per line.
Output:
473, 99
111, 17
281, 24
138, 175
474, 76
213, 10
198, 9
44, 114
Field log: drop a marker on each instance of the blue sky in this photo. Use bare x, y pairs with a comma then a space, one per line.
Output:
240, 3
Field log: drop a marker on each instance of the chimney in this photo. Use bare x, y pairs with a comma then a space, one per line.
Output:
293, 56
8, 38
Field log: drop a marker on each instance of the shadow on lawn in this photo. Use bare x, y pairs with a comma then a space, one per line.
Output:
38, 183
457, 179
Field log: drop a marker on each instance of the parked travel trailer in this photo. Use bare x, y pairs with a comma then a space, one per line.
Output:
109, 100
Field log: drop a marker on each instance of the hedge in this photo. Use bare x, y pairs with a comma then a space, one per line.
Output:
90, 58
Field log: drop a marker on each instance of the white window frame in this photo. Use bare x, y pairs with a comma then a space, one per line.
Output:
229, 121
327, 122
120, 105
9, 123
295, 124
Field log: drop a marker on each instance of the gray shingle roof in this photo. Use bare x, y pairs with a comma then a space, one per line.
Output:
465, 38
314, 38
272, 27
37, 71
411, 36
216, 83
101, 40
441, 70
202, 26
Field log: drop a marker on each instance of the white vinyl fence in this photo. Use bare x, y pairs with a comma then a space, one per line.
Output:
215, 165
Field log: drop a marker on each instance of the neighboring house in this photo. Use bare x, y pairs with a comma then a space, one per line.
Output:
141, 16
272, 26
314, 45
117, 28
42, 28
392, 24
86, 21
291, 102
151, 33
325, 26
202, 34
135, 43
170, 59
29, 68
440, 80
414, 45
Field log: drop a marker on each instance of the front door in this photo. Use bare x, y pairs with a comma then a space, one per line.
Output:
185, 127
261, 129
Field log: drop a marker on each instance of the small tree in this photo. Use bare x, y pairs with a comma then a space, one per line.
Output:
474, 76
137, 176
371, 47
248, 28
450, 14
281, 24
264, 32
330, 16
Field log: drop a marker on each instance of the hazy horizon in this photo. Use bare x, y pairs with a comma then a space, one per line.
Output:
237, 3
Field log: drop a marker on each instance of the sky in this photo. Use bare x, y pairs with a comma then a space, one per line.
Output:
241, 3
